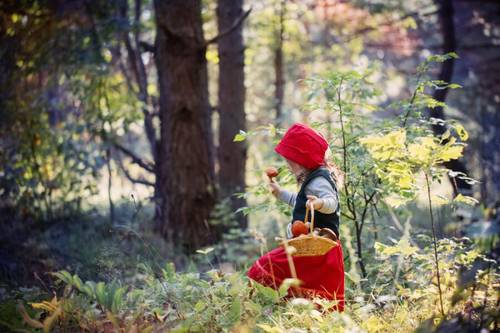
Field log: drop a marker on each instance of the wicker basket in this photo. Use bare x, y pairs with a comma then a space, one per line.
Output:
310, 244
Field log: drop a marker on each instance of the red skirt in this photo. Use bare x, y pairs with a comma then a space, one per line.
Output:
321, 276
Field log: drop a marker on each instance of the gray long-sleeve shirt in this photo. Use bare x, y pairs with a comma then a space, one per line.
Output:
319, 187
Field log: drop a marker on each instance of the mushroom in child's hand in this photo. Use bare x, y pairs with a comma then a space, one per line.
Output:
272, 172
299, 228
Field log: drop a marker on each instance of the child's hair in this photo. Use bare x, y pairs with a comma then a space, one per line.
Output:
337, 174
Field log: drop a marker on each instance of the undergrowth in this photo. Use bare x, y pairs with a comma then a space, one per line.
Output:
400, 295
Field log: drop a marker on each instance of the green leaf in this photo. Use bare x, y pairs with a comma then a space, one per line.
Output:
241, 136
64, 276
77, 282
89, 289
199, 306
235, 310
286, 284
269, 295
100, 293
117, 300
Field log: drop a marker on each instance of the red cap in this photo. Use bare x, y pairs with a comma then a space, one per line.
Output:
303, 145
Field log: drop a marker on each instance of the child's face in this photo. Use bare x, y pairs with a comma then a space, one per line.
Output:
295, 168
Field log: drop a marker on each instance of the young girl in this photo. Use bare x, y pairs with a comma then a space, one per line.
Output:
305, 151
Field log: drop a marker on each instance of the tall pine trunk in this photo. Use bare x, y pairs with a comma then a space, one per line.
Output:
231, 106
185, 173
445, 16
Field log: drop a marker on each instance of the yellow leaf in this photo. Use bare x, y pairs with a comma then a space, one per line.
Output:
409, 23
152, 90
269, 329
212, 56
451, 153
405, 248
30, 321
373, 324
395, 201
387, 146
44, 306
50, 321
439, 200
405, 181
445, 135
465, 199
462, 133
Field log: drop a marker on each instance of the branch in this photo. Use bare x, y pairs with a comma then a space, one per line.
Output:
365, 30
148, 166
147, 46
139, 71
235, 25
132, 179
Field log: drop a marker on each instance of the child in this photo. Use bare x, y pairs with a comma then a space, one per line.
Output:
305, 151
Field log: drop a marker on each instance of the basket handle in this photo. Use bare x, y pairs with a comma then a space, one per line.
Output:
312, 216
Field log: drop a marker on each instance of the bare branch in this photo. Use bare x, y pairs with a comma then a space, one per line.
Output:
389, 23
235, 25
141, 181
139, 70
148, 166
147, 46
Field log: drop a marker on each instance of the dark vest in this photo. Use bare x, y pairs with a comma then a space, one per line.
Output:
320, 220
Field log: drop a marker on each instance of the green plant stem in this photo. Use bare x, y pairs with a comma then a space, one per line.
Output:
350, 203
434, 241
405, 118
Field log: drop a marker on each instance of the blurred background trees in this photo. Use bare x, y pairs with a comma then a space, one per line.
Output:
106, 104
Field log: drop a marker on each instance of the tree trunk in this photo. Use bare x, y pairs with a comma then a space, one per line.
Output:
185, 174
279, 83
479, 67
445, 16
232, 155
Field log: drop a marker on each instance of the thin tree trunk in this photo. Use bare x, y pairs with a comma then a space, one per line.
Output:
445, 15
110, 186
279, 83
185, 173
138, 69
231, 105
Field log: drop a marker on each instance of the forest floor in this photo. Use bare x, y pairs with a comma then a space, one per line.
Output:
140, 285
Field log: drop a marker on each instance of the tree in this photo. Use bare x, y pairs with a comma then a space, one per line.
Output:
279, 80
477, 72
445, 17
231, 106
185, 169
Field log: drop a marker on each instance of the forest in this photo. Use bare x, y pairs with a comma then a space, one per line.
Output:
135, 137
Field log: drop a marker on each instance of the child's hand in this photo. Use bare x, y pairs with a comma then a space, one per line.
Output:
315, 201
275, 188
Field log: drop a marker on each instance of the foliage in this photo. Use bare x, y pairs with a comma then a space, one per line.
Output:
399, 298
65, 99
58, 106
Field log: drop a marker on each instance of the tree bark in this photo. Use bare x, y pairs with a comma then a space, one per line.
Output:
445, 16
480, 97
185, 174
231, 155
279, 83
